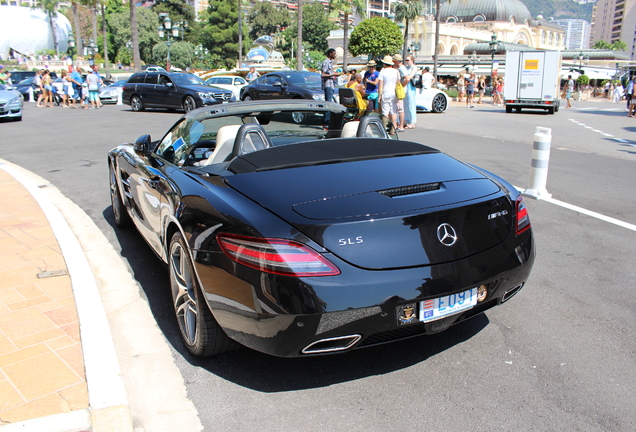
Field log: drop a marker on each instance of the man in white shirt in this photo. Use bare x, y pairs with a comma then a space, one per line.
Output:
427, 78
388, 78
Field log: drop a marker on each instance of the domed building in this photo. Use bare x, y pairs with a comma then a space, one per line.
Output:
27, 31
469, 25
485, 10
509, 20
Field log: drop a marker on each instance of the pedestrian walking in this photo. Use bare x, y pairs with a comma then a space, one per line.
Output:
569, 89
328, 80
410, 111
251, 75
629, 90
481, 88
461, 89
470, 90
388, 79
618, 93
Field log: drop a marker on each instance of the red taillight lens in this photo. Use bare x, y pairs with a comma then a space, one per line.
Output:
523, 221
284, 257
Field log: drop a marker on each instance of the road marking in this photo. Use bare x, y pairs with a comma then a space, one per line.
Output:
620, 140
586, 212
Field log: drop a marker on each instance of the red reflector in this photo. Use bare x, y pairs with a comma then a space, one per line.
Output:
523, 221
284, 257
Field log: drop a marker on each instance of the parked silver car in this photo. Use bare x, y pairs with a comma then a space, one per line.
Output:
11, 103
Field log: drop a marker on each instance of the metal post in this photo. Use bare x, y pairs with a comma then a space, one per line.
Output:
539, 167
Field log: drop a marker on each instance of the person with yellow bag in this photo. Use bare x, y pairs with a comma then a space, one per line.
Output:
388, 79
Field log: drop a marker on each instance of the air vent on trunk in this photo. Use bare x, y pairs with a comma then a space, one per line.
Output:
410, 190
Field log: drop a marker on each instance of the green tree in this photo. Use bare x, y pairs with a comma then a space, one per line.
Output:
267, 19
315, 28
348, 7
376, 37
618, 45
601, 44
407, 11
181, 54
179, 11
147, 23
220, 33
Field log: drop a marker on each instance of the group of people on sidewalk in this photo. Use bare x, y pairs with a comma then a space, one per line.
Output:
77, 91
391, 90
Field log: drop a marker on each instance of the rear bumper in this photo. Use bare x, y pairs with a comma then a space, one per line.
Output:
285, 316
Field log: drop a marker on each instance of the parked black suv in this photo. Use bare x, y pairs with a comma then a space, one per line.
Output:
172, 90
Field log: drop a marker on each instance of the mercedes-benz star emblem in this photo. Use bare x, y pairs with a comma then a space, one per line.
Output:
446, 234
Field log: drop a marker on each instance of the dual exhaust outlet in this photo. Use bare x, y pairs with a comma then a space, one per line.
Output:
342, 343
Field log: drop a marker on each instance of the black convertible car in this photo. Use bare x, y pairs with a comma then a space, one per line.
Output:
296, 240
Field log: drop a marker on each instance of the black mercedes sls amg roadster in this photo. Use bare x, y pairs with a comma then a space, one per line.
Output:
294, 239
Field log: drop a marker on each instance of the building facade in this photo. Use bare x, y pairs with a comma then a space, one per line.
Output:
577, 33
614, 20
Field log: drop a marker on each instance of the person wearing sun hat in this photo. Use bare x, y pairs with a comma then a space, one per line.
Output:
388, 79
370, 81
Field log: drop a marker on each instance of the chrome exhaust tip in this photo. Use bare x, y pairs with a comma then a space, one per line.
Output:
510, 293
334, 344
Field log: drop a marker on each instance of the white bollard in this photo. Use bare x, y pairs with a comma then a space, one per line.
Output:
119, 101
31, 96
539, 166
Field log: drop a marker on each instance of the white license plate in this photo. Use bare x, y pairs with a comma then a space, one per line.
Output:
441, 307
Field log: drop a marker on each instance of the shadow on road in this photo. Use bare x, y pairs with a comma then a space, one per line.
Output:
265, 373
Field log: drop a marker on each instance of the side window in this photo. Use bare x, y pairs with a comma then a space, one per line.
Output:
239, 81
213, 81
263, 80
176, 145
151, 78
164, 79
136, 79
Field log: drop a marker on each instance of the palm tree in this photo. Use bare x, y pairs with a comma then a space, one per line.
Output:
408, 10
135, 36
348, 7
299, 39
436, 38
50, 8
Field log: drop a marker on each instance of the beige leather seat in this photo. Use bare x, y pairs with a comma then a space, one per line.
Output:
224, 144
350, 129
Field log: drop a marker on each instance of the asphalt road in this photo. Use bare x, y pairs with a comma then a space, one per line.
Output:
559, 356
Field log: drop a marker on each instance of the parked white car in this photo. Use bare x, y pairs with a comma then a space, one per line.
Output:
228, 82
431, 100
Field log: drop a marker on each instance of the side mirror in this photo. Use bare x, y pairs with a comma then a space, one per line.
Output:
143, 145
169, 84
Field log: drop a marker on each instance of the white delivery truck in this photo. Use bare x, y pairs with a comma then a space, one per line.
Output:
532, 80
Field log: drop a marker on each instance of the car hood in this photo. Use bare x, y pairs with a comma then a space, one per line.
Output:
206, 89
387, 213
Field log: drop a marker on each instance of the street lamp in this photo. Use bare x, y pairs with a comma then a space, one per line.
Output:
474, 58
166, 29
494, 44
414, 48
71, 41
582, 57
91, 50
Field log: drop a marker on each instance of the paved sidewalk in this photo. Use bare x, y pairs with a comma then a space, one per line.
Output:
43, 385
41, 362
79, 347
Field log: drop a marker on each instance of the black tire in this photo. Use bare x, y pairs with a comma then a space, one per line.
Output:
120, 213
518, 109
136, 104
557, 106
247, 98
439, 103
551, 110
508, 109
189, 104
200, 332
